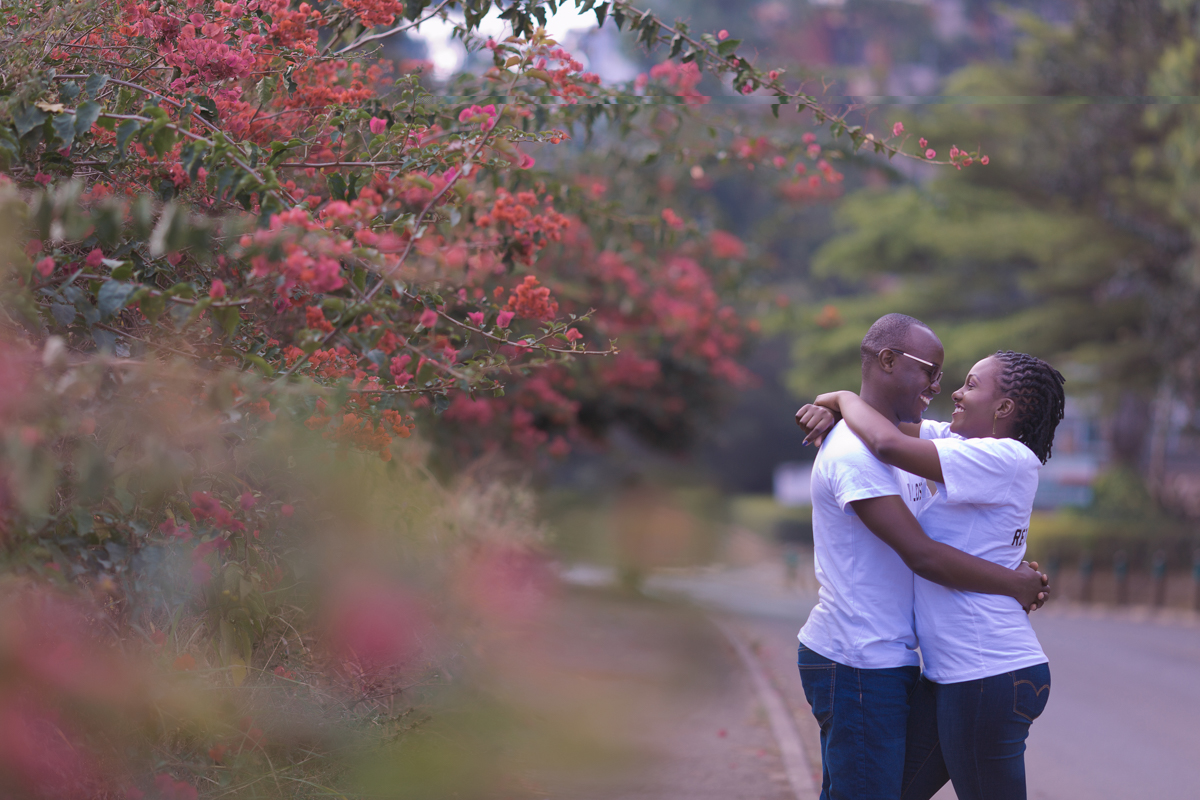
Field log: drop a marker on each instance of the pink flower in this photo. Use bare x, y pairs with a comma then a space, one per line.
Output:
527, 161
930, 153
398, 368
573, 335
372, 621
246, 501
94, 258
378, 125
42, 178
671, 218
429, 318
809, 137
773, 74
45, 267
503, 318
779, 161
286, 510
954, 151
722, 35
922, 142
476, 318
898, 129
217, 290
984, 161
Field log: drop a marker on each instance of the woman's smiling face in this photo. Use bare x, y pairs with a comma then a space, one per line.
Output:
980, 409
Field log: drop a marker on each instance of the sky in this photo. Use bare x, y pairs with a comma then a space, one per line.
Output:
599, 53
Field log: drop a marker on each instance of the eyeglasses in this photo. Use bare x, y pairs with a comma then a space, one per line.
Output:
934, 377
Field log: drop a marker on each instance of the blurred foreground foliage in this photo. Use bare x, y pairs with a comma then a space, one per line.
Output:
274, 310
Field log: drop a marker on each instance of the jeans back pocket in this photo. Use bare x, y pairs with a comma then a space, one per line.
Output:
1031, 691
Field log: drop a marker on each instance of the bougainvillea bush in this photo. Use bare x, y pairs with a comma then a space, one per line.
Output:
265, 295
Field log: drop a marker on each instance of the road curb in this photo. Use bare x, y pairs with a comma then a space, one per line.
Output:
791, 747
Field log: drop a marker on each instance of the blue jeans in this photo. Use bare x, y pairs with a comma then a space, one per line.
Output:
973, 734
863, 714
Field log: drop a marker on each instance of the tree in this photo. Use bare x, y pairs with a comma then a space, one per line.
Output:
1073, 243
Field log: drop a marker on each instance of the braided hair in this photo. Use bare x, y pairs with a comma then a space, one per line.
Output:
1037, 389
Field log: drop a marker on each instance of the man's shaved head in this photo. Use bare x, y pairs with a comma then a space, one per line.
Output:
889, 331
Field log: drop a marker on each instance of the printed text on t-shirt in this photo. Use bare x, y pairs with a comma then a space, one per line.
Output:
1019, 536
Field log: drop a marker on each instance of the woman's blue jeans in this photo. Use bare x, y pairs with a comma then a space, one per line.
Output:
863, 714
973, 734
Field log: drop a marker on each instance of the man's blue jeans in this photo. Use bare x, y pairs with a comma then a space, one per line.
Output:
863, 714
973, 733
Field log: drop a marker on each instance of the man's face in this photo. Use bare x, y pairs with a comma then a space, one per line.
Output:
913, 382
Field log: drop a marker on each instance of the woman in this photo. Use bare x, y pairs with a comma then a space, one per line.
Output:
985, 675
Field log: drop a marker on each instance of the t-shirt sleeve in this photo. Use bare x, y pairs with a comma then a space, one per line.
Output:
932, 429
982, 471
858, 475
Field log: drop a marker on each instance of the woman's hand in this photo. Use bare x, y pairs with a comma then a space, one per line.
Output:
832, 401
816, 422
1044, 594
1033, 587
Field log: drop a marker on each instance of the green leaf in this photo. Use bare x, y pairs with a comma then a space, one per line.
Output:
123, 272
228, 318
649, 30
676, 45
259, 362
618, 17
337, 186
112, 296
67, 92
126, 131
162, 140
28, 119
153, 307
95, 83
728, 47
63, 313
601, 12
85, 116
64, 128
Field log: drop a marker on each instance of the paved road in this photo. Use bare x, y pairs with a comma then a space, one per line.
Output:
1122, 721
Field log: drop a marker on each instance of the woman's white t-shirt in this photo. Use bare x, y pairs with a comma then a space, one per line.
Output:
983, 509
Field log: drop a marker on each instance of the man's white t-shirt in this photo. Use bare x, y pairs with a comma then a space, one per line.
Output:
983, 509
864, 617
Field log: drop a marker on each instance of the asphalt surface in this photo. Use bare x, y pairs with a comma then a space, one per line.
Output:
1122, 718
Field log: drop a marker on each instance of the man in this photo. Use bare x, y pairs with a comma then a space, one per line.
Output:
857, 657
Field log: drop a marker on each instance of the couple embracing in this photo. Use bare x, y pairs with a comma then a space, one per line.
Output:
919, 534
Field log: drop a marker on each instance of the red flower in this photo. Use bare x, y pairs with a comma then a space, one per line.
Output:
378, 125
429, 318
217, 290
503, 318
726, 245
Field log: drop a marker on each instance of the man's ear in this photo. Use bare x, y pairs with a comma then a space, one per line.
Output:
886, 360
1006, 408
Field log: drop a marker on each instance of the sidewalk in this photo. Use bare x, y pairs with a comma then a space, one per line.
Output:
685, 721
